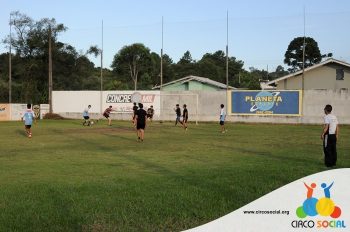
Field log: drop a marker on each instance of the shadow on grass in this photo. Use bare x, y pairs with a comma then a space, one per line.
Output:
121, 137
63, 206
21, 132
267, 154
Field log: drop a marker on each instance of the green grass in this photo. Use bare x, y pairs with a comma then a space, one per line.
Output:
74, 178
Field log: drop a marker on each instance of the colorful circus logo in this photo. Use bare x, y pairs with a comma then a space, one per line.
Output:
324, 206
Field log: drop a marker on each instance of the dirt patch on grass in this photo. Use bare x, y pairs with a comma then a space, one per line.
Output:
98, 227
89, 130
53, 116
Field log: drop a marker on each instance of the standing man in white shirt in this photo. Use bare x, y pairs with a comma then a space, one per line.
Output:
222, 118
329, 136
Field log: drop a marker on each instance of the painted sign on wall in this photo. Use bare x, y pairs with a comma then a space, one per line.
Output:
4, 112
122, 101
258, 102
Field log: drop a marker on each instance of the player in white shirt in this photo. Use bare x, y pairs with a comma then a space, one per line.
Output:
222, 118
86, 116
329, 136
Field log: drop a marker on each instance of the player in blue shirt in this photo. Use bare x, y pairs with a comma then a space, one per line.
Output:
28, 118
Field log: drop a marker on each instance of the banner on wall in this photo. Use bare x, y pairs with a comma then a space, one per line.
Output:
258, 102
44, 109
17, 111
4, 112
122, 101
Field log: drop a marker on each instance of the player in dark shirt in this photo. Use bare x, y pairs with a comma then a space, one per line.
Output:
106, 114
141, 119
178, 114
134, 109
184, 116
150, 113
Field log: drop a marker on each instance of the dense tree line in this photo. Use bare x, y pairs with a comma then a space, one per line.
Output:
133, 67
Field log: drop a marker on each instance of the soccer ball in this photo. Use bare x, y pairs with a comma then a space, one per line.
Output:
91, 123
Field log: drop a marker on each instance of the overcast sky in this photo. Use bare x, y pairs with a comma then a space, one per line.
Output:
259, 31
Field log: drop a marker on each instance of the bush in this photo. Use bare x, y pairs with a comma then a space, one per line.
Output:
53, 116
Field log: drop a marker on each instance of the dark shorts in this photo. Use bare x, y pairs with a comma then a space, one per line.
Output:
106, 115
330, 149
86, 117
178, 118
140, 126
222, 123
149, 115
28, 126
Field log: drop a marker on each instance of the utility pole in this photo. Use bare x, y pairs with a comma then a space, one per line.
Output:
10, 63
227, 52
50, 73
267, 71
101, 90
302, 78
227, 94
161, 58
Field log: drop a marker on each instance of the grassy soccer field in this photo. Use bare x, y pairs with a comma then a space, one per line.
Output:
74, 178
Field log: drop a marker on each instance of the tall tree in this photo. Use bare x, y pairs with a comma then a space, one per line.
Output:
134, 59
96, 51
186, 58
30, 42
168, 69
30, 37
279, 72
294, 54
213, 65
71, 70
251, 79
154, 74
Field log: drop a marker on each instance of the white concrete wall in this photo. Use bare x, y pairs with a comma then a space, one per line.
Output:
313, 105
71, 104
201, 105
315, 101
209, 102
17, 111
75, 101
205, 106
14, 112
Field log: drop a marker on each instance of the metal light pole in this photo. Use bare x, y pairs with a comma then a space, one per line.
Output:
227, 95
50, 72
227, 53
10, 63
101, 90
302, 78
161, 74
161, 59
